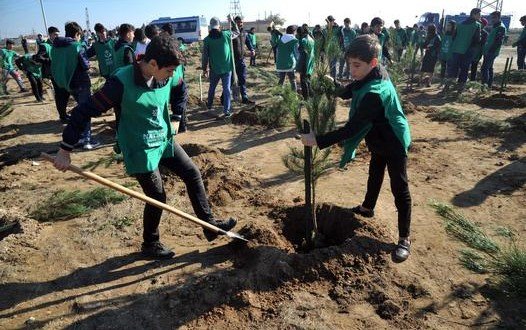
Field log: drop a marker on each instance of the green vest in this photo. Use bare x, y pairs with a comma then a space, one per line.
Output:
274, 38
400, 38
381, 40
34, 68
348, 35
145, 134
253, 39
308, 48
105, 56
118, 57
7, 59
445, 47
285, 56
393, 113
219, 52
48, 46
465, 33
491, 39
64, 62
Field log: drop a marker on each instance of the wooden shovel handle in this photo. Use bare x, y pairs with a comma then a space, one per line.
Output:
135, 194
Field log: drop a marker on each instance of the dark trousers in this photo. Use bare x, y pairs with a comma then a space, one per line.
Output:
292, 79
152, 185
241, 72
486, 71
179, 105
81, 95
36, 86
253, 60
458, 66
443, 66
521, 55
346, 73
397, 169
306, 90
473, 70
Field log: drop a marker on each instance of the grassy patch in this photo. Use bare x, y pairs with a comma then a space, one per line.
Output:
503, 260
472, 122
70, 204
103, 161
5, 109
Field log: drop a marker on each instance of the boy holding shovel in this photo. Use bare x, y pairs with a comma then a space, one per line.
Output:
376, 115
141, 92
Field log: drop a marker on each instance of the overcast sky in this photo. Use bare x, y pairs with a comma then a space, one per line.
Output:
23, 16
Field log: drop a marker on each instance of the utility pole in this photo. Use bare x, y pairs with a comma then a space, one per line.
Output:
235, 9
490, 5
43, 15
87, 20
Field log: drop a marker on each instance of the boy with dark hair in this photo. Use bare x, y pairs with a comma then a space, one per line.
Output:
146, 137
466, 37
252, 40
217, 61
124, 53
238, 44
377, 25
167, 30
347, 35
275, 35
376, 114
43, 56
432, 47
306, 60
8, 55
492, 48
521, 45
401, 40
364, 29
141, 42
445, 48
69, 67
103, 49
287, 56
151, 31
478, 49
33, 72
331, 34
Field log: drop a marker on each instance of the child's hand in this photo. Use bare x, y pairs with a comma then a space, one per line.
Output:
62, 160
308, 140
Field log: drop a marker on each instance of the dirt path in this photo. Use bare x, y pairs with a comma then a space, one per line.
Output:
86, 273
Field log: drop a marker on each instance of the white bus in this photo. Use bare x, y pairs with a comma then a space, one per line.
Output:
189, 29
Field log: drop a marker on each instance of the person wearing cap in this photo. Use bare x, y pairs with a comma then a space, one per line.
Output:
492, 48
466, 37
8, 56
477, 50
216, 62
521, 45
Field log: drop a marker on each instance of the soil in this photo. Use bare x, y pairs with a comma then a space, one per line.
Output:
87, 273
502, 101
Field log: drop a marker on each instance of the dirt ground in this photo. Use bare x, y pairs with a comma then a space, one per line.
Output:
87, 273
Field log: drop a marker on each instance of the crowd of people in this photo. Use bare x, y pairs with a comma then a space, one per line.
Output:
145, 77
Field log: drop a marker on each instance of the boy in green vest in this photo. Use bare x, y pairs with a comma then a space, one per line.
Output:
146, 136
478, 49
217, 62
252, 40
445, 48
347, 35
466, 37
33, 72
69, 67
376, 115
8, 56
305, 65
124, 53
401, 40
287, 55
103, 49
492, 48
275, 35
521, 46
377, 25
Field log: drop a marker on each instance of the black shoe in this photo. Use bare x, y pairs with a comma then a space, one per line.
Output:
175, 117
364, 213
65, 120
247, 101
226, 225
402, 251
156, 250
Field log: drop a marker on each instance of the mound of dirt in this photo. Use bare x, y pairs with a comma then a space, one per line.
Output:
17, 232
502, 101
224, 180
194, 101
245, 117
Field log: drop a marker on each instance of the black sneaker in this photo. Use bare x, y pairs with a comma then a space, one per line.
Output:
226, 225
363, 212
247, 101
402, 251
156, 250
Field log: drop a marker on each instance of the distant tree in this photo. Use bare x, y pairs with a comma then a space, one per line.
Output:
277, 19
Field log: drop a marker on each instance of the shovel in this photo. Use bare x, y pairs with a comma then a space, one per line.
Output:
146, 199
201, 86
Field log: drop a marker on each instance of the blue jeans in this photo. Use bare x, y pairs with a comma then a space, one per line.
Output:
521, 54
333, 64
241, 71
486, 71
82, 95
458, 66
225, 81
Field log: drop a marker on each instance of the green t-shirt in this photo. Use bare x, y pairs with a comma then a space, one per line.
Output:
8, 59
219, 53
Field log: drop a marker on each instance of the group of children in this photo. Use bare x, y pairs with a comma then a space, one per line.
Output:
145, 75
